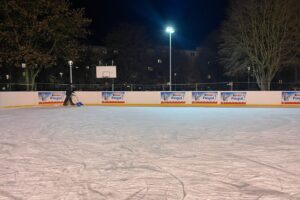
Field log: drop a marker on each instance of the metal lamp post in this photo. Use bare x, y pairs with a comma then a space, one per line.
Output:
70, 62
249, 68
175, 74
170, 30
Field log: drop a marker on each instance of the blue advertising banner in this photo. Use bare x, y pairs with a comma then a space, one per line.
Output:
290, 98
113, 97
205, 97
172, 97
233, 97
48, 97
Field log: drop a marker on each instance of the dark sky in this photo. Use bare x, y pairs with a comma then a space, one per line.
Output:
193, 20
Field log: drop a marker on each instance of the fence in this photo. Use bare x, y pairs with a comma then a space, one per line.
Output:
214, 86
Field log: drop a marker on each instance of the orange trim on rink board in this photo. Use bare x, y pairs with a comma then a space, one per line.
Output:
232, 103
169, 105
54, 102
202, 105
289, 103
171, 102
195, 102
113, 101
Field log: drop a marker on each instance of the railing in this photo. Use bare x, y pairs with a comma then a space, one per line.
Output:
216, 86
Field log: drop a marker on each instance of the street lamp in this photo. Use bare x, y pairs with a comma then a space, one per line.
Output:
170, 30
87, 73
249, 68
175, 74
70, 62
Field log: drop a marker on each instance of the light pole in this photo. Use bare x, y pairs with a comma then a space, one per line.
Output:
249, 68
87, 73
170, 30
175, 81
61, 79
25, 74
70, 62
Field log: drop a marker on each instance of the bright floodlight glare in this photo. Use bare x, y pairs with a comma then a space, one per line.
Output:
170, 29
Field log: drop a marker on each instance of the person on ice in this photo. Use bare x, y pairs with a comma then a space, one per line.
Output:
69, 95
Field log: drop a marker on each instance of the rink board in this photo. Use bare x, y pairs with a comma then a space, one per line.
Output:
157, 98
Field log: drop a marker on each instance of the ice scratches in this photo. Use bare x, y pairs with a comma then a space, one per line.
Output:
160, 183
6, 148
101, 192
265, 165
118, 154
140, 194
8, 195
126, 148
251, 190
132, 167
96, 191
181, 183
266, 193
178, 179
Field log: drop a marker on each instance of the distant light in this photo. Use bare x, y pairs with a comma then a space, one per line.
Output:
70, 62
170, 29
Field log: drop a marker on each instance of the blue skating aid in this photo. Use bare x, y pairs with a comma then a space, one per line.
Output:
79, 104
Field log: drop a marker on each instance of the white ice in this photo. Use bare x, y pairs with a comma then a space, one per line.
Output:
132, 153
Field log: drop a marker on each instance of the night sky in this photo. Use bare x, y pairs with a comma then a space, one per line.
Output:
193, 20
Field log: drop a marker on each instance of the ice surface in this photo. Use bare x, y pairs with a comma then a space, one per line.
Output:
149, 153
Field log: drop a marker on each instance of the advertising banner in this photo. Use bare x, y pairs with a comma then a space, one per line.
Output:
48, 97
233, 97
290, 98
205, 97
172, 97
113, 97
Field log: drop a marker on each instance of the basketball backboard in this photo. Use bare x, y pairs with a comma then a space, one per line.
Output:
106, 72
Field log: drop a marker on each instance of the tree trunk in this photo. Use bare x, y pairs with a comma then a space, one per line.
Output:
30, 75
27, 79
264, 85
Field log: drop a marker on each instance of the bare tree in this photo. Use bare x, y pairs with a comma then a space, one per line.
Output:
39, 33
262, 34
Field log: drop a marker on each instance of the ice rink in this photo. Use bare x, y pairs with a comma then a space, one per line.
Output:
131, 153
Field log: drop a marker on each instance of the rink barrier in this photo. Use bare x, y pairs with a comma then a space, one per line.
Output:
157, 99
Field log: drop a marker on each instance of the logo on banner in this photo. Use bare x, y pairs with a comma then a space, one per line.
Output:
113, 97
46, 97
205, 97
172, 97
290, 98
233, 97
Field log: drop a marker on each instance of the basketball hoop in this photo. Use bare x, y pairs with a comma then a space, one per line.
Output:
106, 72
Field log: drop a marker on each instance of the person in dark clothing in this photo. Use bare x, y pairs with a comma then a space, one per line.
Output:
69, 95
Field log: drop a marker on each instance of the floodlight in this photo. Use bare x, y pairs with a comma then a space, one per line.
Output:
170, 29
